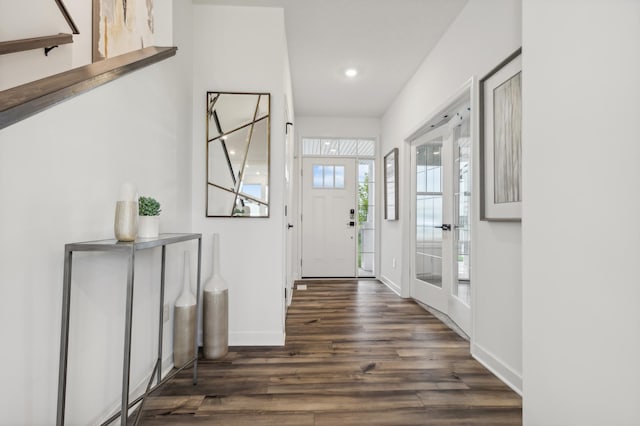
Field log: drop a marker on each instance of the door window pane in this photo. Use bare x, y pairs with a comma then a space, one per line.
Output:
318, 180
429, 212
462, 212
339, 177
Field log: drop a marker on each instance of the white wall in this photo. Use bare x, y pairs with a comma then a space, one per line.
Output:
60, 173
481, 37
243, 49
580, 224
35, 18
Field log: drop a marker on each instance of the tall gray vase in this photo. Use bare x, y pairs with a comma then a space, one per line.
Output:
216, 310
184, 320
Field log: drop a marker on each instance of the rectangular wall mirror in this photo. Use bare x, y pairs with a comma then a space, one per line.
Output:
238, 139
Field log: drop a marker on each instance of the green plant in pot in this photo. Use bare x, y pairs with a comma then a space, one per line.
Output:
148, 217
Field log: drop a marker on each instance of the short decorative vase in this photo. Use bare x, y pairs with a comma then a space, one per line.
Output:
184, 319
216, 310
125, 225
148, 226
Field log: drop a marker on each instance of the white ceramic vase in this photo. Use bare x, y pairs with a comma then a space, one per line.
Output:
148, 226
215, 309
125, 225
184, 319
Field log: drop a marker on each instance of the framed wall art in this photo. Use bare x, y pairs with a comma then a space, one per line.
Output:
501, 141
391, 185
121, 26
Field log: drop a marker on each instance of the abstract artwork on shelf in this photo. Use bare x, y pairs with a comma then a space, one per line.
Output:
121, 26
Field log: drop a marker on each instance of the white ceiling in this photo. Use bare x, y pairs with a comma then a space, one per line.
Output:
386, 40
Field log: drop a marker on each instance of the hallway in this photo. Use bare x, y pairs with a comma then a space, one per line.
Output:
355, 354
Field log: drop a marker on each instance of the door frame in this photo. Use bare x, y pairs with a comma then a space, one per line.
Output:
297, 181
469, 90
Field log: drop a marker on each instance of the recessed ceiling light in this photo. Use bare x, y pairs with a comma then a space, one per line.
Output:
232, 152
351, 72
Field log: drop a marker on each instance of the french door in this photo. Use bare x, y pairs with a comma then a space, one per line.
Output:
441, 188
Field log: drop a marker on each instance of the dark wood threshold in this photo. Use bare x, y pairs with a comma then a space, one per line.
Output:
28, 99
21, 45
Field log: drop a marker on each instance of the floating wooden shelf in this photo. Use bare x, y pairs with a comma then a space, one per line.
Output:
14, 46
28, 99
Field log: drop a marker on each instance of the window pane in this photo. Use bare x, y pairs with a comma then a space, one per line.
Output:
349, 147
339, 173
328, 176
329, 147
310, 146
317, 176
366, 147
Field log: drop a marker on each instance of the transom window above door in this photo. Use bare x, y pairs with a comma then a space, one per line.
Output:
325, 147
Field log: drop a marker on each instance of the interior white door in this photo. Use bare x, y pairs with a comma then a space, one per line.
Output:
329, 217
431, 278
289, 215
441, 187
460, 300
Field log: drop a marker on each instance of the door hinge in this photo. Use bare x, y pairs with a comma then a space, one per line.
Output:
285, 210
285, 293
300, 262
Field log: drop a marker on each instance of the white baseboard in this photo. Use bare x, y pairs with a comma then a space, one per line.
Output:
392, 286
256, 338
508, 375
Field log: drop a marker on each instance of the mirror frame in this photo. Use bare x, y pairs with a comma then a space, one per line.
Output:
212, 115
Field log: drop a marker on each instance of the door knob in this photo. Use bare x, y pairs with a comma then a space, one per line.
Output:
444, 227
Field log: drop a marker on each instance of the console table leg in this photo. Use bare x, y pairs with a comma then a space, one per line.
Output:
161, 323
195, 348
126, 365
64, 337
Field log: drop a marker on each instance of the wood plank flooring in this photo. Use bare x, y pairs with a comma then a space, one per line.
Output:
356, 354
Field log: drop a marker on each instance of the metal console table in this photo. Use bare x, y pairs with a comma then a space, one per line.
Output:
130, 250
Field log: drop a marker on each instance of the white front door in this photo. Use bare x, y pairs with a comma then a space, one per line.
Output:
329, 217
441, 188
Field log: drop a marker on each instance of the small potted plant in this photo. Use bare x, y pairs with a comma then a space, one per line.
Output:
148, 217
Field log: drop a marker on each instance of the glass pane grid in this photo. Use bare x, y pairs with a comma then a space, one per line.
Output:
330, 147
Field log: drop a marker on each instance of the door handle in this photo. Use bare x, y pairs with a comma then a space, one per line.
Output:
444, 227
289, 226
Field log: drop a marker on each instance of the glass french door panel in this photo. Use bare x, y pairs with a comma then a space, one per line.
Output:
429, 212
429, 238
462, 212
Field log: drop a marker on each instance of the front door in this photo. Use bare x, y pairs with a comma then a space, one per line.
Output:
329, 217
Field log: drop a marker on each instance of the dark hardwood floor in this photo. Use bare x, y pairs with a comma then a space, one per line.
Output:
356, 354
